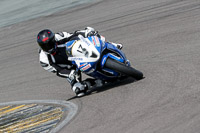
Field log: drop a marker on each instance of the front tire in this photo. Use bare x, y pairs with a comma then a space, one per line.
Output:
123, 69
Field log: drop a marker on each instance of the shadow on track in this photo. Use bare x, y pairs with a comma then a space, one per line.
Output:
106, 87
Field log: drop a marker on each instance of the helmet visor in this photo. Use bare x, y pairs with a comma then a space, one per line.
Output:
48, 46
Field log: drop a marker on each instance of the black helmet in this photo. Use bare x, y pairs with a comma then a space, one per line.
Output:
46, 40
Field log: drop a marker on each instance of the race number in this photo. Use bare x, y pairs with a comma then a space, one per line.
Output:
82, 50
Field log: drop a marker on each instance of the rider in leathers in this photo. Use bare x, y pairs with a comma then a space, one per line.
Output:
53, 58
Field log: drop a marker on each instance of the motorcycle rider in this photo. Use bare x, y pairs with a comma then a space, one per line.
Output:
53, 57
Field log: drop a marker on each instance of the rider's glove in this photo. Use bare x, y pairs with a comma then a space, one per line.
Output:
89, 31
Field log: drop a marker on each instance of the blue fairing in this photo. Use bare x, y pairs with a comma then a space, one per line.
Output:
116, 50
97, 69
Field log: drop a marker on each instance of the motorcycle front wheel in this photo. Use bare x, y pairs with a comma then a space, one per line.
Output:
123, 69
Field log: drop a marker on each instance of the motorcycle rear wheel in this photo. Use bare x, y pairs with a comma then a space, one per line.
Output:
123, 69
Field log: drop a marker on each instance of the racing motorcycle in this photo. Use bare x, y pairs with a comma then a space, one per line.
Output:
100, 59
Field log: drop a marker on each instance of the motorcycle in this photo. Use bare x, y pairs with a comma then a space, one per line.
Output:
100, 59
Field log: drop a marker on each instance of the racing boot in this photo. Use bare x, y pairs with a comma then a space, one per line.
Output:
117, 45
80, 89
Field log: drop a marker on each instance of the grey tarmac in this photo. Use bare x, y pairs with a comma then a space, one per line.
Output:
160, 37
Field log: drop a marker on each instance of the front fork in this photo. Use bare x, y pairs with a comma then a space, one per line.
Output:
104, 59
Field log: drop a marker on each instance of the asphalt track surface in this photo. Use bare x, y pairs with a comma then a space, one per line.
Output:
160, 37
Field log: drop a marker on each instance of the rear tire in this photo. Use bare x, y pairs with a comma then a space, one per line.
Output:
123, 69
